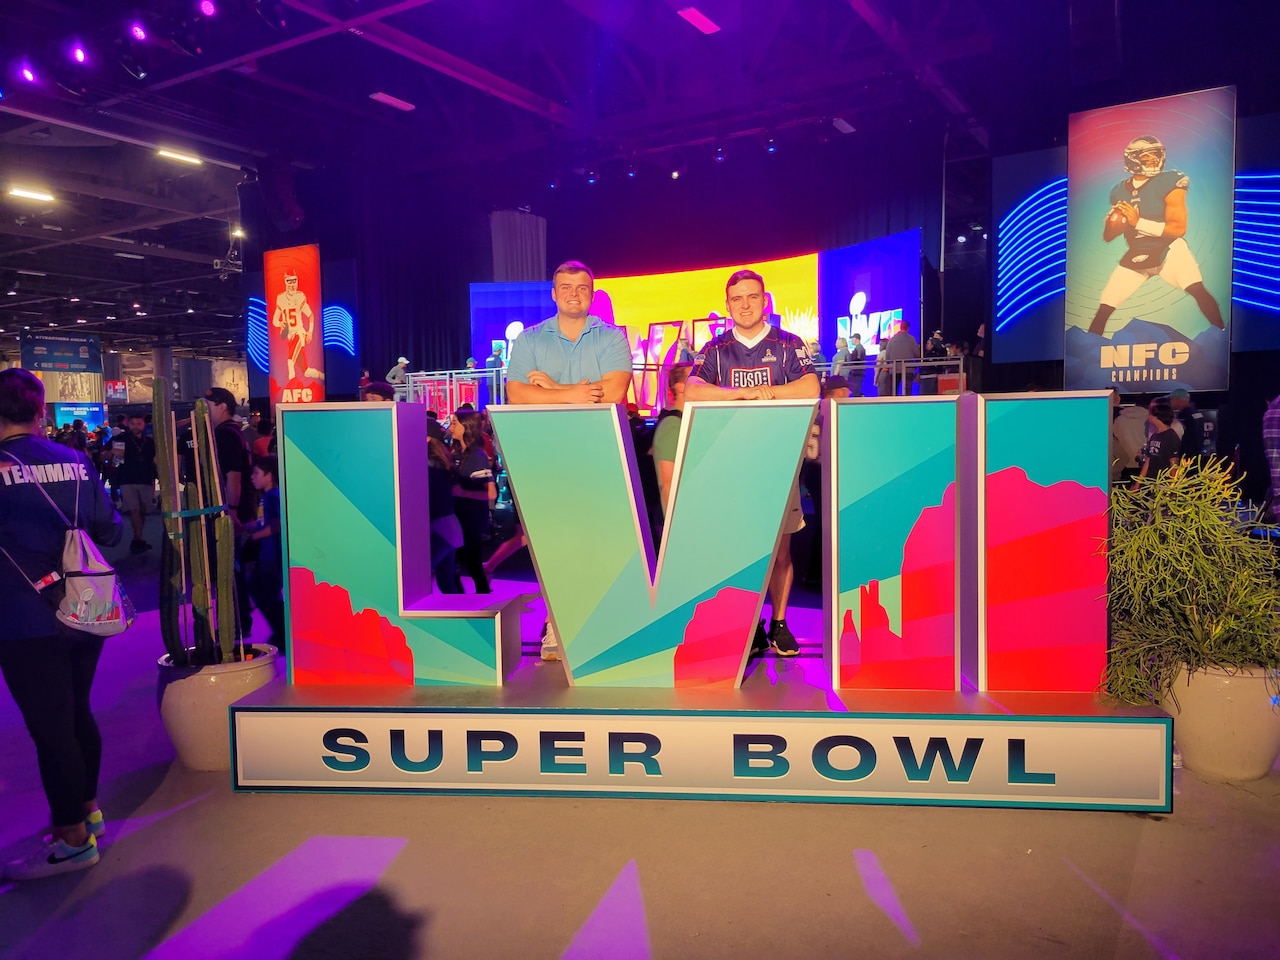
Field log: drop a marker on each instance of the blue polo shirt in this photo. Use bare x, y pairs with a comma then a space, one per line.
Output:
602, 348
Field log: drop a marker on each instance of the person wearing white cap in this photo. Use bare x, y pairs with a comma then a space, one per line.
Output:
397, 373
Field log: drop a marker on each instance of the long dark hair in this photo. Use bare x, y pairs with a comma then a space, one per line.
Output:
472, 429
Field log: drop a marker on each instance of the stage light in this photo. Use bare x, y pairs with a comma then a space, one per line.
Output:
138, 31
984, 236
962, 239
180, 157
78, 54
553, 184
26, 193
133, 66
591, 176
675, 174
73, 299
81, 320
719, 154
237, 232
699, 19
137, 306
207, 8
771, 146
27, 74
631, 172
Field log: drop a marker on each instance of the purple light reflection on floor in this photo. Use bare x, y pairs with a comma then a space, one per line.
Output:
269, 916
1161, 947
616, 929
118, 830
880, 890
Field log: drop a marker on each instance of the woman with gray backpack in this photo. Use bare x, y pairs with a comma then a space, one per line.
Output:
52, 504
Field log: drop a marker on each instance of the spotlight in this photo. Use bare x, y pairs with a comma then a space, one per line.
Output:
237, 232
553, 184
27, 73
719, 154
133, 66
631, 172
189, 310
207, 8
591, 176
962, 239
137, 31
771, 146
78, 54
27, 193
675, 174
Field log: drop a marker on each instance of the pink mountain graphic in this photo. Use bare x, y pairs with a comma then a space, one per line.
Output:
711, 653
332, 644
923, 656
1046, 584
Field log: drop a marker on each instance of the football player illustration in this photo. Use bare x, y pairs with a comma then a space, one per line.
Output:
1149, 208
297, 324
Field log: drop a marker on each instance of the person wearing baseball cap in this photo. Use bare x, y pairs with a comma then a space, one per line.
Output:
397, 373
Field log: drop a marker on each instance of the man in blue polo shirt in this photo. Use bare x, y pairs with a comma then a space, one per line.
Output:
757, 361
572, 357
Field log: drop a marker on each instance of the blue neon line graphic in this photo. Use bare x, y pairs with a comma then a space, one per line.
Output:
1031, 257
1255, 303
1257, 235
256, 334
339, 329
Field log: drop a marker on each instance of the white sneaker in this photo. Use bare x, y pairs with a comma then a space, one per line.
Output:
53, 858
550, 643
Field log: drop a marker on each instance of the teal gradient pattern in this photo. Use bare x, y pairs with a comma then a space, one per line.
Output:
573, 469
896, 459
339, 495
1029, 434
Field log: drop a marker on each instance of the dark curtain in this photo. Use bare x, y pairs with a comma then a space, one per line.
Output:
419, 249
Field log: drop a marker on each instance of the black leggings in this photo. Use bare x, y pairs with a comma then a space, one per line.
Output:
49, 678
474, 517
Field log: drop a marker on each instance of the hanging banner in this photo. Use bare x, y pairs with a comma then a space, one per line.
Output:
294, 333
117, 391
60, 354
1150, 198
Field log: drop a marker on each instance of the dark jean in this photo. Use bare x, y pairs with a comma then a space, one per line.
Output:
49, 678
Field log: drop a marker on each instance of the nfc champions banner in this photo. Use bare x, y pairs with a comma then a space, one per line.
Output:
1149, 240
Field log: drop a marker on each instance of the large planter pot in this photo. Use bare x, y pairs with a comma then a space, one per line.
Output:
1225, 724
194, 701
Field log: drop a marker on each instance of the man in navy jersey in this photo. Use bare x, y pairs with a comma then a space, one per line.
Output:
757, 361
1150, 209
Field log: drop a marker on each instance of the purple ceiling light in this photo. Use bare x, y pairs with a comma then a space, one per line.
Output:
208, 8
699, 19
137, 31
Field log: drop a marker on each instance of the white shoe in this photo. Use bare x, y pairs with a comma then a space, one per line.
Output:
53, 858
550, 643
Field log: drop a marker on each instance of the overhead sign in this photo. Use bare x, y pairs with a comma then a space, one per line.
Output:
60, 354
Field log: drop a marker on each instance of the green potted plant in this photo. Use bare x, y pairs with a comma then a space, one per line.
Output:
1195, 617
206, 666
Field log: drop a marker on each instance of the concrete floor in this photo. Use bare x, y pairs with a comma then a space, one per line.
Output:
191, 870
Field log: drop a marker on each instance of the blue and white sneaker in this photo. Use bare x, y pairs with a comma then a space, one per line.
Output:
53, 858
95, 824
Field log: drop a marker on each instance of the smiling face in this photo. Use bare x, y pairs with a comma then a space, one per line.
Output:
572, 293
746, 302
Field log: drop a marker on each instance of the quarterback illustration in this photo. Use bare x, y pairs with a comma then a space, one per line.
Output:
1149, 207
297, 324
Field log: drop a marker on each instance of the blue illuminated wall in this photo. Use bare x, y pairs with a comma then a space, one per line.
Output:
1029, 207
494, 306
1029, 202
886, 271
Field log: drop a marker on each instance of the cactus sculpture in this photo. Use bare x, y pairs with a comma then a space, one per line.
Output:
199, 540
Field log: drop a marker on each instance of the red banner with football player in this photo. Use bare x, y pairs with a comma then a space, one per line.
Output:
1150, 202
294, 332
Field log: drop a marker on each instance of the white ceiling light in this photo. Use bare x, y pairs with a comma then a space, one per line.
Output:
131, 256
180, 157
30, 193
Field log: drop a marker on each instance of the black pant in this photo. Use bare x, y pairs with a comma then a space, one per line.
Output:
266, 584
474, 517
49, 678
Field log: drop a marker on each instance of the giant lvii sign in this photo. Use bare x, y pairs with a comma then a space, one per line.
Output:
963, 559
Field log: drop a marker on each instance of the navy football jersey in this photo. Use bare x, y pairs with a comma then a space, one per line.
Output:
1149, 198
780, 357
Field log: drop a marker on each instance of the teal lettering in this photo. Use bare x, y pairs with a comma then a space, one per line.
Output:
646, 756
550, 751
478, 756
759, 756
936, 748
435, 752
358, 757
1018, 766
862, 769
